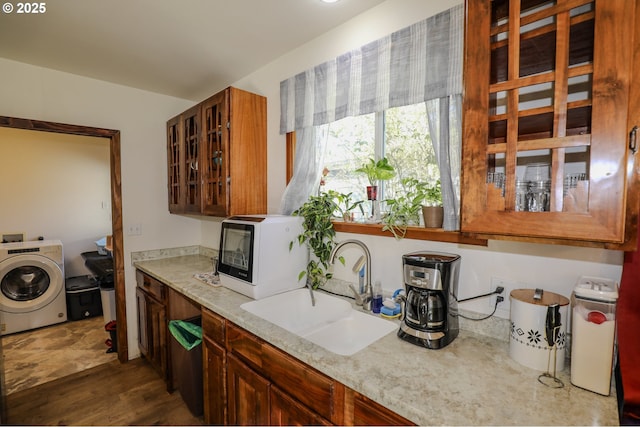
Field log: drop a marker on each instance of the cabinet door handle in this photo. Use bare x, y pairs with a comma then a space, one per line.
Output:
633, 140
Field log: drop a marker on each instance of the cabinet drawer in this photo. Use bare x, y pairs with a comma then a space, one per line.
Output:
245, 345
213, 326
285, 411
150, 285
321, 394
366, 412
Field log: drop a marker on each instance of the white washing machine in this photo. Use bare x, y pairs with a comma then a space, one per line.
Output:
32, 292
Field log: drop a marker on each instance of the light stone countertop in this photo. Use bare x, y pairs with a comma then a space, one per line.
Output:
472, 381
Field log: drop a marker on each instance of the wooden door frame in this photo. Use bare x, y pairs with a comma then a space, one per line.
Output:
116, 208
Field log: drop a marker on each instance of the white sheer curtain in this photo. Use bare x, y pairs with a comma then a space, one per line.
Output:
445, 125
310, 148
416, 64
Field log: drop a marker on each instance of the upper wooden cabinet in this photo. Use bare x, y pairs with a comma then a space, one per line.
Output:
217, 156
183, 148
549, 82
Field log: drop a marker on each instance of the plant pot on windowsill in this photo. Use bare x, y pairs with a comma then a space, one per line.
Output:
346, 206
433, 216
372, 192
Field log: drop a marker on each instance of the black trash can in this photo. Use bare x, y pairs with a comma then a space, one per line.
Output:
186, 359
83, 298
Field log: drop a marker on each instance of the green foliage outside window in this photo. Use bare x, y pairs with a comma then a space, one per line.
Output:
407, 145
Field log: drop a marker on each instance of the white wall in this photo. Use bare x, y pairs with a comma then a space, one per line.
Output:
554, 268
56, 186
44, 94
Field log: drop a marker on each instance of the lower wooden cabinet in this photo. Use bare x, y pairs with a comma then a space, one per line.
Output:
143, 333
247, 381
152, 325
215, 368
214, 381
321, 396
248, 395
255, 400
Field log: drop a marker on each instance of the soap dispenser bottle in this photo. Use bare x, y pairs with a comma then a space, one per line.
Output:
376, 304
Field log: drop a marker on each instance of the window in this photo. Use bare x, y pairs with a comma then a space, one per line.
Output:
402, 136
419, 63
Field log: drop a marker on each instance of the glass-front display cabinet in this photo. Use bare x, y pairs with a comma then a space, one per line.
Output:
545, 119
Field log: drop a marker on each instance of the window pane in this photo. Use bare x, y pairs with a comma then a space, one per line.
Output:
350, 144
406, 143
408, 146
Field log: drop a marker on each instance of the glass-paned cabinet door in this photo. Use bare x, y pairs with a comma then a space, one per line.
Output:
190, 164
546, 95
173, 163
215, 152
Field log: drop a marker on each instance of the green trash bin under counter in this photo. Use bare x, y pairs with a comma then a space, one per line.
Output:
186, 355
188, 333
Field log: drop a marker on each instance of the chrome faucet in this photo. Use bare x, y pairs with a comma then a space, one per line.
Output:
367, 297
313, 297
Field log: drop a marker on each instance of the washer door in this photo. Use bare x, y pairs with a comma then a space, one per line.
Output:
28, 283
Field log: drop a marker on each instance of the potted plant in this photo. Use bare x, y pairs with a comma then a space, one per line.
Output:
404, 210
376, 171
346, 206
432, 211
319, 236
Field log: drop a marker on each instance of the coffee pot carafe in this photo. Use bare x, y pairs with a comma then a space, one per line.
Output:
431, 285
424, 308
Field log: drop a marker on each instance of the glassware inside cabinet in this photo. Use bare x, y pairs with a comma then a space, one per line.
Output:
540, 107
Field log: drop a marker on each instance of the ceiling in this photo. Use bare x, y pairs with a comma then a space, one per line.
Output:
182, 48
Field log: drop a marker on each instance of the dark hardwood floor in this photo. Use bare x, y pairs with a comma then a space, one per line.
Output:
110, 394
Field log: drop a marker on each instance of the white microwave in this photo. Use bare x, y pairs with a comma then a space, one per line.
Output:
254, 257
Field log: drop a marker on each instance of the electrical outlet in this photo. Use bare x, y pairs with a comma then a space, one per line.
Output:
134, 230
504, 307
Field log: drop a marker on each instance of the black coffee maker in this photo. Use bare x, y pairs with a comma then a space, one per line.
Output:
431, 308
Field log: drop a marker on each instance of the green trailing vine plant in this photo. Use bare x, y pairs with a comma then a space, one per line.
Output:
404, 210
319, 236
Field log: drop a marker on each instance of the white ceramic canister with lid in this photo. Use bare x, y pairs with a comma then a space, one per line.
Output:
527, 341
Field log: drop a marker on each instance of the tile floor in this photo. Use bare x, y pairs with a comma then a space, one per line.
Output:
42, 355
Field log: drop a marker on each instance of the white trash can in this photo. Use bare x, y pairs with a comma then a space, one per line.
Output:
108, 299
